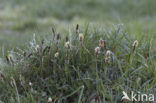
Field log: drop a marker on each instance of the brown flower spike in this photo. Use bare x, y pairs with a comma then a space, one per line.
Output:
102, 43
135, 44
77, 28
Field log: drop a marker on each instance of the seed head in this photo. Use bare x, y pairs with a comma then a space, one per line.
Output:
53, 32
49, 100
108, 56
37, 48
135, 44
30, 84
58, 36
10, 58
56, 54
42, 42
67, 39
81, 37
97, 51
108, 53
102, 43
77, 28
68, 45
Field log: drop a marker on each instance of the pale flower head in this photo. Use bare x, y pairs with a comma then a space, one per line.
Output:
10, 56
135, 43
56, 54
49, 100
102, 43
67, 45
97, 51
108, 56
30, 84
81, 37
108, 53
37, 47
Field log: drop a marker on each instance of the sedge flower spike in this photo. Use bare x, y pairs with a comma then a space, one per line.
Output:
56, 54
10, 58
37, 48
108, 56
53, 32
135, 44
67, 39
108, 53
30, 84
77, 28
58, 36
97, 51
102, 43
49, 100
68, 45
81, 37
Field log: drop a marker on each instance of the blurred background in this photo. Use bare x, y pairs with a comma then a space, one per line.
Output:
20, 19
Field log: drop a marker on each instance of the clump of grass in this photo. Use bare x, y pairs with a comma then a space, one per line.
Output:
89, 65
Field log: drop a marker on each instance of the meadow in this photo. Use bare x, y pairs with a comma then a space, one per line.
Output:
76, 51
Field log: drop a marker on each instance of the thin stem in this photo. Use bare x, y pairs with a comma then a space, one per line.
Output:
18, 99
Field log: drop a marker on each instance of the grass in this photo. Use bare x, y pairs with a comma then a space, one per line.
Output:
78, 73
33, 71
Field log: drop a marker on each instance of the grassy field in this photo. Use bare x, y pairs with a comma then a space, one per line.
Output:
43, 54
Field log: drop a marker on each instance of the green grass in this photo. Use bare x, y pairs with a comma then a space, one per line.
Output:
86, 77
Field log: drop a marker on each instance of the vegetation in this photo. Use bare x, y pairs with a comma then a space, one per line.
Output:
95, 50
88, 65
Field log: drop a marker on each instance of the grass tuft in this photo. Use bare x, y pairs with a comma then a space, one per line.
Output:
90, 65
